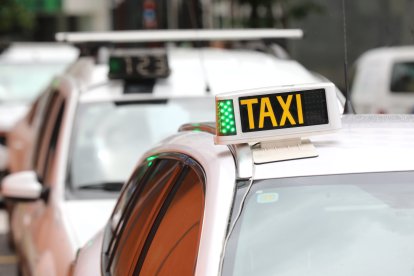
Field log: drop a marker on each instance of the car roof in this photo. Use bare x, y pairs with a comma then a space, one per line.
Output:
366, 143
386, 54
40, 52
193, 70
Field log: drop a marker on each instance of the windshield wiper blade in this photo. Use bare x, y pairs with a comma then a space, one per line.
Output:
105, 186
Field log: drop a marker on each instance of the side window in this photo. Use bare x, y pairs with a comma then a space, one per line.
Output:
32, 112
402, 78
41, 134
133, 218
48, 138
172, 246
51, 152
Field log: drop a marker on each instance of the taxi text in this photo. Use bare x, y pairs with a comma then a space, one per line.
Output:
278, 109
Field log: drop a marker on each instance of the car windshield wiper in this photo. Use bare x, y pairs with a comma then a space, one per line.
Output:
105, 186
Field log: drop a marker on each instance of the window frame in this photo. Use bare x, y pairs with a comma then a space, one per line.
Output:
189, 164
49, 135
185, 162
112, 237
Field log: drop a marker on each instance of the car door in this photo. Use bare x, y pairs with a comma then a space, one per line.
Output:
158, 230
35, 220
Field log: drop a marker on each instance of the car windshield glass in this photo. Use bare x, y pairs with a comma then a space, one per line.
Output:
24, 82
111, 137
360, 224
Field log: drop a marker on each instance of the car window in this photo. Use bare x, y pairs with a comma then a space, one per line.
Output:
51, 151
402, 79
109, 136
33, 110
174, 239
352, 224
50, 102
139, 211
23, 82
48, 136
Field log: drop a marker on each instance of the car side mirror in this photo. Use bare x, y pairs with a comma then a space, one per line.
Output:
22, 186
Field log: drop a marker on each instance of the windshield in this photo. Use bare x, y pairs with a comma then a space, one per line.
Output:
24, 82
111, 137
361, 224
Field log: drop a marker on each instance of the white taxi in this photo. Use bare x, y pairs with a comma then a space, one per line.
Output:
279, 185
26, 69
95, 121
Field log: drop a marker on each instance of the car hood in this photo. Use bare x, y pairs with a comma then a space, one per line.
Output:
86, 217
10, 114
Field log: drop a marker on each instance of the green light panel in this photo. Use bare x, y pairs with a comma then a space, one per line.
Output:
226, 123
115, 65
152, 157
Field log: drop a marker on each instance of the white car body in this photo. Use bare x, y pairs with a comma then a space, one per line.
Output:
365, 144
371, 90
48, 235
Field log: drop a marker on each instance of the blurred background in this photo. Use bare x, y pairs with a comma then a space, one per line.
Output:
370, 24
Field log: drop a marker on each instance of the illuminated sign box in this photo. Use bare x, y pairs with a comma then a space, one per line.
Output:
276, 113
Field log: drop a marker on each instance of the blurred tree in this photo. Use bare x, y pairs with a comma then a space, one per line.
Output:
15, 18
286, 10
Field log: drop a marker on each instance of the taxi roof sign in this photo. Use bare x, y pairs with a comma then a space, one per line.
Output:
276, 113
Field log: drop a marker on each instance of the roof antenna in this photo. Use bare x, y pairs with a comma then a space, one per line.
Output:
348, 106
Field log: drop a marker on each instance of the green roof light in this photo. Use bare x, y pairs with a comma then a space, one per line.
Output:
225, 116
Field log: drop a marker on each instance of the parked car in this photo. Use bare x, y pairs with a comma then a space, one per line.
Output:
384, 81
95, 121
251, 195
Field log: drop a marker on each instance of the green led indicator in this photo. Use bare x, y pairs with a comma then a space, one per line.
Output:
153, 157
225, 115
115, 65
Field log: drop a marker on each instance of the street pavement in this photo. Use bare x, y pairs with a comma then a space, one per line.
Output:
8, 259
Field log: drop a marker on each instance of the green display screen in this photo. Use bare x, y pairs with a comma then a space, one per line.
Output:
139, 65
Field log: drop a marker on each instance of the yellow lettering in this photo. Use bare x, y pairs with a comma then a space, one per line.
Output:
286, 113
250, 104
266, 110
299, 106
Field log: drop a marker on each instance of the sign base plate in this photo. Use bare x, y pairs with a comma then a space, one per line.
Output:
290, 149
